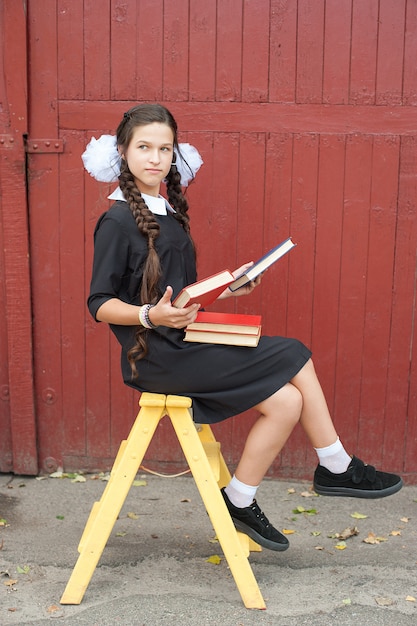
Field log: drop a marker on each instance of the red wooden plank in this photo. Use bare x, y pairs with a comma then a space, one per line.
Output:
249, 233
301, 265
149, 37
98, 336
400, 435
354, 254
379, 288
337, 38
73, 307
202, 54
123, 64
70, 49
410, 55
241, 116
96, 50
6, 444
229, 50
278, 172
283, 51
176, 46
327, 261
18, 314
310, 34
389, 76
255, 52
364, 52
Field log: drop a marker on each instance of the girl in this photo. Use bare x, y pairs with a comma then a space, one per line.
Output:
143, 257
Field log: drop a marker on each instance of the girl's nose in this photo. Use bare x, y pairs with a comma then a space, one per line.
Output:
154, 156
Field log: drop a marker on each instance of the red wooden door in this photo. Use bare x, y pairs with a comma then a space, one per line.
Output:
305, 115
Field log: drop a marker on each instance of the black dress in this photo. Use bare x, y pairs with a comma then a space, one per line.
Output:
221, 380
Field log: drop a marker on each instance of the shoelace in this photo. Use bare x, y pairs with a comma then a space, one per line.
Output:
260, 514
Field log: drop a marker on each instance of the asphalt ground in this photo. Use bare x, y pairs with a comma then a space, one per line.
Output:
155, 570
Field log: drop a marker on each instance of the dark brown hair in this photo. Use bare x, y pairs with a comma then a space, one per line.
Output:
141, 115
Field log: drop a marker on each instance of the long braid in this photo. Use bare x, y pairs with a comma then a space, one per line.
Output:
148, 226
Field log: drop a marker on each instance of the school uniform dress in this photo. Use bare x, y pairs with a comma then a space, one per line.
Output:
221, 380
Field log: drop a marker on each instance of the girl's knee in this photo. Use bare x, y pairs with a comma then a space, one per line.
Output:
286, 402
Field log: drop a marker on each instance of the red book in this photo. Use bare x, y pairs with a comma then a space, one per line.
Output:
226, 323
204, 292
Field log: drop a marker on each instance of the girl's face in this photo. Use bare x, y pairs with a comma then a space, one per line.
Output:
149, 156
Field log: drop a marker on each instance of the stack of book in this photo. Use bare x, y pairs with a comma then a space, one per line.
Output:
225, 328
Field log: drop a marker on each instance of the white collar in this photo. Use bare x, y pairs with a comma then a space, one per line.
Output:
158, 205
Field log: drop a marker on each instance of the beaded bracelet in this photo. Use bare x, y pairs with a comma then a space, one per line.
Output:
144, 318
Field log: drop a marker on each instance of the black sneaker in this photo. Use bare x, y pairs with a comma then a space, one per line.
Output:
359, 481
251, 521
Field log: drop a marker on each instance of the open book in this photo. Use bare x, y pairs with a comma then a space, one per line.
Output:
204, 291
262, 264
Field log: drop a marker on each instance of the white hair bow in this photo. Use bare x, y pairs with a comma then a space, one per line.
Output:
102, 160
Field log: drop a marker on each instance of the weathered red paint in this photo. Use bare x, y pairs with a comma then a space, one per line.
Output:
305, 115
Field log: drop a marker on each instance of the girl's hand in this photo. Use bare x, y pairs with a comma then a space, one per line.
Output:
164, 314
243, 291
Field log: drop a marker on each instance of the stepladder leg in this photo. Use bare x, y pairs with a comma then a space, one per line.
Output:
207, 438
104, 513
208, 487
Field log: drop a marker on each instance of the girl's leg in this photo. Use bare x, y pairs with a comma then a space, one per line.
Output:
279, 414
315, 416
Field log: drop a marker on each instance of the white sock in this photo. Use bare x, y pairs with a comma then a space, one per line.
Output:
334, 457
239, 494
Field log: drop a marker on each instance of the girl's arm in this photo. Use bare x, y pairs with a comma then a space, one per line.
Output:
114, 311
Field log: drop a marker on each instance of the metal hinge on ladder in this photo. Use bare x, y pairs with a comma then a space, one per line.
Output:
39, 146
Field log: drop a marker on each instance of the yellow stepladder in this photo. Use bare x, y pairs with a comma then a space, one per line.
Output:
209, 470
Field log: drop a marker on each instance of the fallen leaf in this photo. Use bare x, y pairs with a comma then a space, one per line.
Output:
287, 531
291, 490
23, 570
347, 601
58, 474
60, 517
384, 601
395, 533
309, 494
348, 532
53, 608
121, 534
301, 509
316, 533
405, 519
215, 559
357, 515
132, 516
3, 522
10, 582
139, 483
371, 538
318, 548
78, 478
410, 599
12, 609
214, 540
341, 545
